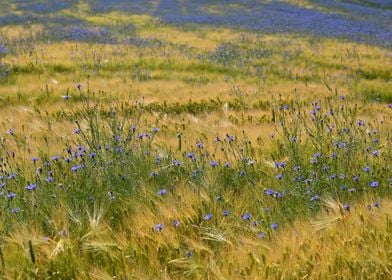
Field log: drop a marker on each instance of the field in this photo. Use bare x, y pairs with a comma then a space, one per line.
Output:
178, 139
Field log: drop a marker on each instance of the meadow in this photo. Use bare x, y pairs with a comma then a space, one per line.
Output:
180, 139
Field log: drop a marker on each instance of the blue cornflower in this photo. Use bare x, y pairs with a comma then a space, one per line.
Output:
247, 216
158, 227
11, 195
177, 163
199, 145
162, 192
314, 198
374, 184
279, 176
269, 191
208, 217
274, 226
76, 167
366, 168
176, 223
50, 179
54, 158
31, 187
11, 131
190, 155
226, 213
214, 163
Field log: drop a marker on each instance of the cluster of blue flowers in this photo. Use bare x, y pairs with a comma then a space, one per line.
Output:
367, 21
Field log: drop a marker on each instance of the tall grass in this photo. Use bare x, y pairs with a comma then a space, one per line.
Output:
116, 200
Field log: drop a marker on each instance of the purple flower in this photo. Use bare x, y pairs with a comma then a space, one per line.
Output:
261, 235
247, 216
279, 176
226, 164
226, 213
374, 184
158, 227
76, 167
11, 131
31, 187
269, 191
177, 163
351, 190
274, 226
366, 168
389, 106
2, 185
162, 192
208, 217
314, 198
50, 179
230, 138
360, 123
376, 153
11, 195
199, 145
176, 223
156, 129
280, 164
214, 163
35, 159
346, 207
54, 158
66, 97
191, 156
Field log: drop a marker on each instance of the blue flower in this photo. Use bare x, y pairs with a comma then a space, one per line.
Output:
31, 187
274, 226
269, 191
76, 167
176, 223
158, 227
226, 213
162, 192
208, 217
247, 216
374, 184
11, 195
314, 198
